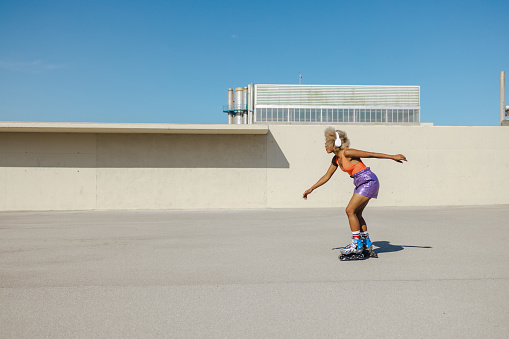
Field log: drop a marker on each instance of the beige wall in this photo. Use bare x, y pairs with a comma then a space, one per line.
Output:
83, 171
446, 166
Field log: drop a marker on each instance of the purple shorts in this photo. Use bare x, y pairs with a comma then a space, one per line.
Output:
366, 183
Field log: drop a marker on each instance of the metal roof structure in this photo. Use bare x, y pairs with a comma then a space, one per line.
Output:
336, 104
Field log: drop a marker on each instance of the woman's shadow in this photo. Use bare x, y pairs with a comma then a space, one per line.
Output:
386, 247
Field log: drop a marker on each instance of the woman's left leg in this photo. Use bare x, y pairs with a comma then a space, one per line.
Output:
355, 208
366, 241
356, 204
362, 222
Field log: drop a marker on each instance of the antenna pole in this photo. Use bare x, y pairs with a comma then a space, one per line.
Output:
502, 96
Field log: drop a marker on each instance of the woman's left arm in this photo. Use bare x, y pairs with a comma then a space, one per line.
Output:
355, 153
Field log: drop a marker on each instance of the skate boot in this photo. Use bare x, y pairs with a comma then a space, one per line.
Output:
352, 251
368, 247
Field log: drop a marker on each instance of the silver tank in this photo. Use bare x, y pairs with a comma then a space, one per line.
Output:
239, 98
239, 105
230, 98
230, 106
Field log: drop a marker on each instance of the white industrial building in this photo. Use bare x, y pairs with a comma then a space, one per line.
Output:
287, 104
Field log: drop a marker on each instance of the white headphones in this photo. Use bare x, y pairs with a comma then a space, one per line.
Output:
337, 142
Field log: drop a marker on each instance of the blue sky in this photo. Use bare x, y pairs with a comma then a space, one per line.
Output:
173, 61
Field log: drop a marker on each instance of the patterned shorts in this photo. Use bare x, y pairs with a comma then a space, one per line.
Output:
366, 183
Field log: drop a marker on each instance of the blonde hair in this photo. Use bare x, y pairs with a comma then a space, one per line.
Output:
330, 137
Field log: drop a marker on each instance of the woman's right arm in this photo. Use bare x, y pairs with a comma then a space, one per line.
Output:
322, 180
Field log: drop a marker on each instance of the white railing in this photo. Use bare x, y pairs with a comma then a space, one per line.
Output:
410, 115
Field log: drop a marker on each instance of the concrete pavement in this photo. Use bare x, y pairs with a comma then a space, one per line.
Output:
441, 272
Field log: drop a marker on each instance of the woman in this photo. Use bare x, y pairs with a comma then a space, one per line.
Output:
366, 184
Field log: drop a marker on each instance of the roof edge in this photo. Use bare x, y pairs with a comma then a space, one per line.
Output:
147, 128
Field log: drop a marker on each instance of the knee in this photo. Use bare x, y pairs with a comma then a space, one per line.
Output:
350, 211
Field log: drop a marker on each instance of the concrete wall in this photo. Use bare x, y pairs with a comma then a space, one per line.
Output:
83, 171
446, 166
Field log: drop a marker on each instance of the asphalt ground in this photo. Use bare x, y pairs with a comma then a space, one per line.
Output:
441, 272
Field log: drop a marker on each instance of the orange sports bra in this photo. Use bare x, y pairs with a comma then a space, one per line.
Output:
348, 167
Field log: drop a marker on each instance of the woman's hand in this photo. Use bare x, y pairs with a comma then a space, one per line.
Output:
399, 158
305, 195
